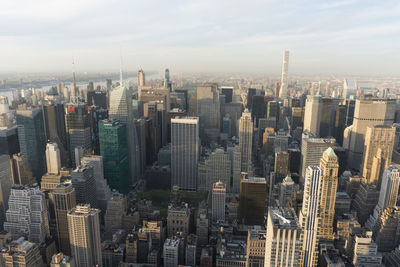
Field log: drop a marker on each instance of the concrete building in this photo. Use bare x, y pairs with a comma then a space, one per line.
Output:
385, 232
21, 253
281, 168
368, 112
172, 250
312, 114
310, 216
287, 190
378, 150
185, 144
255, 249
191, 250
365, 201
63, 199
103, 191
283, 239
252, 200
84, 235
329, 166
9, 143
366, 251
311, 152
178, 219
53, 159
218, 201
116, 210
61, 260
283, 92
27, 214
84, 184
246, 140
217, 167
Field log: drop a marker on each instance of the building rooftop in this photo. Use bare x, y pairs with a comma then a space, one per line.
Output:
284, 218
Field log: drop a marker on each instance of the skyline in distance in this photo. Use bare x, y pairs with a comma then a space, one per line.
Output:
351, 37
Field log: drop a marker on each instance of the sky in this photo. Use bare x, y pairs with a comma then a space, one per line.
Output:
346, 37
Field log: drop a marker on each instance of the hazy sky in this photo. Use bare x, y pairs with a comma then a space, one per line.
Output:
342, 37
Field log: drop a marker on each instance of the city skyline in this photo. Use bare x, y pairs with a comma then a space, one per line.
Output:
340, 37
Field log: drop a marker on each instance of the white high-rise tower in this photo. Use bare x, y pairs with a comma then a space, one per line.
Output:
53, 160
284, 83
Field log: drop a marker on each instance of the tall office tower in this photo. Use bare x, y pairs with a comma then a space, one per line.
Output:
172, 250
246, 140
21, 253
32, 141
84, 235
116, 210
283, 92
311, 152
366, 251
97, 98
103, 191
310, 216
20, 172
96, 114
255, 249
387, 195
259, 108
252, 200
218, 201
287, 190
54, 124
340, 122
297, 118
329, 166
208, 110
217, 168
84, 184
184, 152
349, 88
379, 143
114, 150
191, 250
64, 200
77, 125
283, 240
367, 113
167, 82
9, 143
5, 186
327, 116
386, 230
121, 109
53, 160
350, 107
141, 78
235, 157
228, 92
312, 114
364, 202
27, 213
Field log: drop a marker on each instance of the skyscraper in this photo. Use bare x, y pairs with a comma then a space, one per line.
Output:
5, 186
329, 166
32, 141
252, 200
141, 78
246, 140
311, 152
84, 235
310, 216
378, 149
53, 160
283, 240
368, 113
312, 114
84, 185
20, 172
184, 152
77, 125
121, 109
114, 150
208, 110
218, 201
63, 199
27, 214
9, 143
387, 195
283, 93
